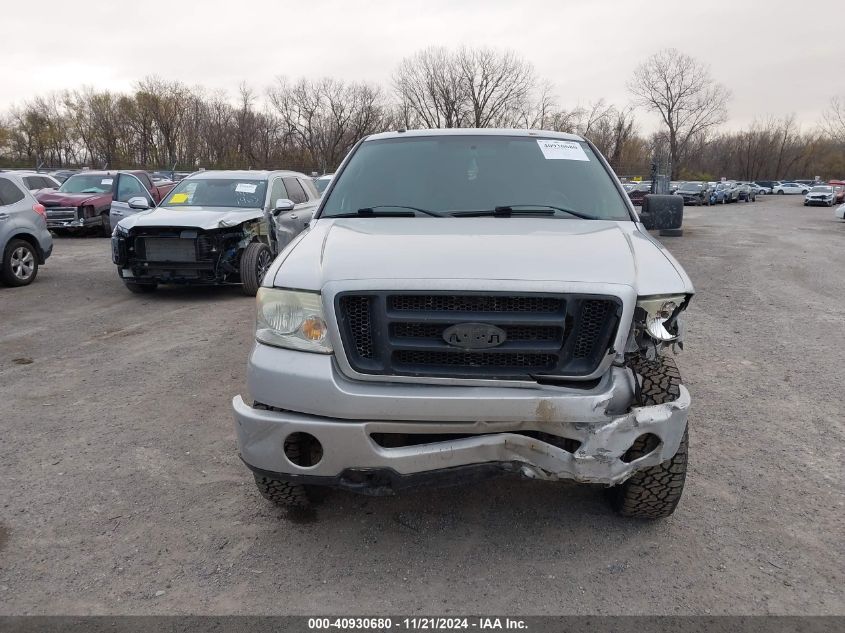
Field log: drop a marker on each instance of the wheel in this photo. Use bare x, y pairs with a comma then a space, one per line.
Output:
285, 493
780, 193
20, 263
139, 289
654, 493
282, 493
255, 260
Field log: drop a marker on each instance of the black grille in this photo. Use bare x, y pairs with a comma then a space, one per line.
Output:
476, 359
356, 310
590, 323
403, 334
472, 303
514, 332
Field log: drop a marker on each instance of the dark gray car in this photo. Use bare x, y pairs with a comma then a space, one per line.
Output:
25, 242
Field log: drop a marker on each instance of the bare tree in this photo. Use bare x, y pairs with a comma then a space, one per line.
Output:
431, 89
325, 118
470, 87
682, 92
833, 119
496, 85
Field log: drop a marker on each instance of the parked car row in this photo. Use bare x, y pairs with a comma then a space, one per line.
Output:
727, 191
84, 201
210, 228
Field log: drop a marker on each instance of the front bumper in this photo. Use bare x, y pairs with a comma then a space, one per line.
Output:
821, 202
129, 268
839, 212
66, 218
697, 200
511, 429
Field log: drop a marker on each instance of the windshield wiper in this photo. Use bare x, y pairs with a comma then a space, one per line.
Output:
371, 212
507, 211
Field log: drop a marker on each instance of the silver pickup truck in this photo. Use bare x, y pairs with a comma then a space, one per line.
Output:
468, 304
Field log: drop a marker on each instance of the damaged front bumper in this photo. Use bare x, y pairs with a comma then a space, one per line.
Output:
545, 432
70, 218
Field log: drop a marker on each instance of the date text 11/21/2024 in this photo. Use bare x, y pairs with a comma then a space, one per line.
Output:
419, 623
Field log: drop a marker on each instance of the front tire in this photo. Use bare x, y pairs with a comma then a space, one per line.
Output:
284, 493
255, 260
20, 263
654, 493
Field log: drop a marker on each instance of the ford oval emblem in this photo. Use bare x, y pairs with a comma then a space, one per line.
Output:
474, 335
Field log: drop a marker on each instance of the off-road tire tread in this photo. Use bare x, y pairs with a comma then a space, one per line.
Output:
654, 493
660, 379
283, 493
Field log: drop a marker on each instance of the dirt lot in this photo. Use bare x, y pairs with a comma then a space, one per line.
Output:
121, 490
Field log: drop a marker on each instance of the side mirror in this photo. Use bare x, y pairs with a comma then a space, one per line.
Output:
663, 213
139, 202
283, 205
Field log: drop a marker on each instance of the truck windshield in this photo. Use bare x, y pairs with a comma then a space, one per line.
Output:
218, 192
88, 183
462, 173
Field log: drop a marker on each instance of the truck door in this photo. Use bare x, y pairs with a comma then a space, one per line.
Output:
128, 186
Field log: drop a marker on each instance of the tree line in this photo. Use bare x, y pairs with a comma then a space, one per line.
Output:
310, 124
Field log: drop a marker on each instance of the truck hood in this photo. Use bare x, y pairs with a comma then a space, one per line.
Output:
51, 198
206, 218
533, 249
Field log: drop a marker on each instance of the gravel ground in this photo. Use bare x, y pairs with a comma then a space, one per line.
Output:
122, 491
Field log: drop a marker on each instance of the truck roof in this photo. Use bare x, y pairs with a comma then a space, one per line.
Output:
477, 132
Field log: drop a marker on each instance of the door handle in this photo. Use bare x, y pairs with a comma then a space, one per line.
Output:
4, 217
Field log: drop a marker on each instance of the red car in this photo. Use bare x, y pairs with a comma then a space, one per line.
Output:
838, 191
639, 192
84, 199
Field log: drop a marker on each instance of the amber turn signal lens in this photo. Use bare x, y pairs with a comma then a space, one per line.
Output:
313, 328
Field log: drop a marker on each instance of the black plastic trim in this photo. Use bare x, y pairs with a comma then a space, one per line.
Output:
381, 482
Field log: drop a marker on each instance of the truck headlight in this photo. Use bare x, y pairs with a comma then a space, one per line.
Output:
655, 312
291, 319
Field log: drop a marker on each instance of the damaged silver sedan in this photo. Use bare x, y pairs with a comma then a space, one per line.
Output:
214, 228
470, 304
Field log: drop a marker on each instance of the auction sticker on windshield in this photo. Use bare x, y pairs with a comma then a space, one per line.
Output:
106, 181
246, 187
561, 150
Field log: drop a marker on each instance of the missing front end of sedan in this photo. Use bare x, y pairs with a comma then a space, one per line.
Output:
236, 255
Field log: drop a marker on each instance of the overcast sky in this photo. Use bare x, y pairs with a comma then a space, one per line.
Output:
776, 57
